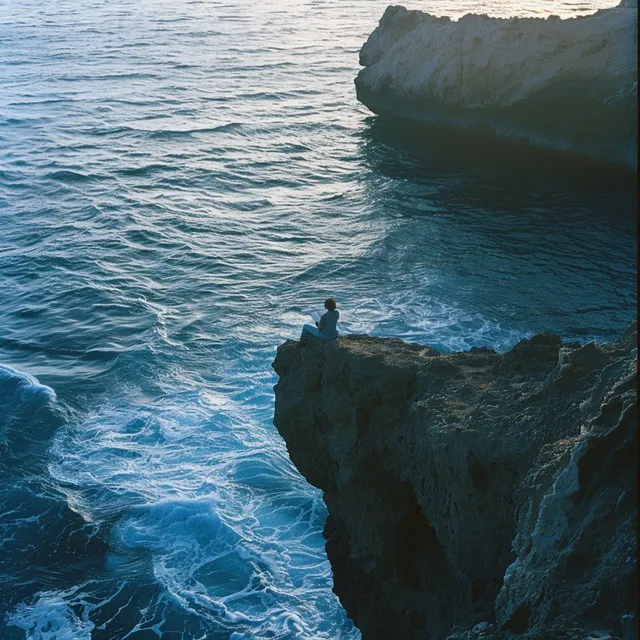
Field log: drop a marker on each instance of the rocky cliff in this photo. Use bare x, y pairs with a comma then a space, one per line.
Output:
568, 85
475, 494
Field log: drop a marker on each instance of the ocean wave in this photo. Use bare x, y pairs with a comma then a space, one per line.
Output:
42, 540
146, 170
67, 175
223, 527
153, 133
170, 133
27, 419
566, 85
22, 390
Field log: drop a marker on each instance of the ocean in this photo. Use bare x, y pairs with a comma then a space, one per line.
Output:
181, 182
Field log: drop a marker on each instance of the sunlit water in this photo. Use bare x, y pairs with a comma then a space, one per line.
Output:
180, 182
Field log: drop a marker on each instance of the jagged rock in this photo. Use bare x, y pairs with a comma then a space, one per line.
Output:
470, 487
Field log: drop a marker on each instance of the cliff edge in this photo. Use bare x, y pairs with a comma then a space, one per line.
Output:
474, 494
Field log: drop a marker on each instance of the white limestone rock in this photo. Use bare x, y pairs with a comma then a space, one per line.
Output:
561, 84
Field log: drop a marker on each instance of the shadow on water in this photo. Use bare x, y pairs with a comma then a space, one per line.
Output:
526, 239
505, 172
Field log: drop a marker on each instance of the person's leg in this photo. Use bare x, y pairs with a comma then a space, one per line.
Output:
309, 329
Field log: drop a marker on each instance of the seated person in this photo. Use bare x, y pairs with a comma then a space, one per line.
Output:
326, 328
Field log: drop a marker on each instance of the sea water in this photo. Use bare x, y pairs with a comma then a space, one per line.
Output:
180, 182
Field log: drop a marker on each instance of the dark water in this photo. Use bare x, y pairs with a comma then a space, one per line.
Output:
180, 182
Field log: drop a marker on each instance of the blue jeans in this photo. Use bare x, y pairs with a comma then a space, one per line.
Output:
310, 329
314, 331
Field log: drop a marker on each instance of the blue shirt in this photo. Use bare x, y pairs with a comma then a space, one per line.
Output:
327, 324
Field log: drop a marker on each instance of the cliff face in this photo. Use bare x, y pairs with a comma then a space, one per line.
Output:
471, 487
568, 85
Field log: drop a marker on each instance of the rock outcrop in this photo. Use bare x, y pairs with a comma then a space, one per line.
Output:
474, 494
568, 85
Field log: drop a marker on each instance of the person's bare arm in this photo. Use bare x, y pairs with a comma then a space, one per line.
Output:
321, 323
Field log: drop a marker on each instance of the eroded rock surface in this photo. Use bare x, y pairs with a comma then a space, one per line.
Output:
474, 494
563, 85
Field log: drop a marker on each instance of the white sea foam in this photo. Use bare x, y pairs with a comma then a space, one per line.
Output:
49, 617
231, 531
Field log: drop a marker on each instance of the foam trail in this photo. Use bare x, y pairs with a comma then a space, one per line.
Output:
50, 617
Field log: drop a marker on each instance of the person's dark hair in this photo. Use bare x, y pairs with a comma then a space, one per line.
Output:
330, 304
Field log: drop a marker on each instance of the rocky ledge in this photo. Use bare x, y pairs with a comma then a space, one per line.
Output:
471, 494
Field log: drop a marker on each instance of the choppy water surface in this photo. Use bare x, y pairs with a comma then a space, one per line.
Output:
180, 182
